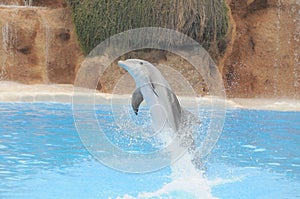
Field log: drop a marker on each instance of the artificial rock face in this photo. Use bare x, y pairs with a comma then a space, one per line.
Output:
38, 45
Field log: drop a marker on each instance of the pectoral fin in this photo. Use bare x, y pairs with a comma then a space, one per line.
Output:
136, 100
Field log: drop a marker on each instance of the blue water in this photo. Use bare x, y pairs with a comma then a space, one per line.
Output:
41, 156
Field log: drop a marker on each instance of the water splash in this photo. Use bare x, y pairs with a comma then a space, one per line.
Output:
28, 2
5, 37
11, 3
9, 40
17, 3
186, 182
3, 70
277, 61
296, 72
186, 179
47, 35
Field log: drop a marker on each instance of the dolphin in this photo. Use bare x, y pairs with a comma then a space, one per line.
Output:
166, 112
152, 87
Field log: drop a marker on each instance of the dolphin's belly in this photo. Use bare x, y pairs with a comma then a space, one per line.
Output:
149, 95
159, 109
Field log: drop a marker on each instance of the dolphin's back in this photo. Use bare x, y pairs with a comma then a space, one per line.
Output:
176, 110
165, 97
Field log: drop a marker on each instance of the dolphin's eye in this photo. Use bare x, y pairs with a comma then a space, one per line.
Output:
141, 63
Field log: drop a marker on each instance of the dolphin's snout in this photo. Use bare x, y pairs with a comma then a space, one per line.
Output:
122, 64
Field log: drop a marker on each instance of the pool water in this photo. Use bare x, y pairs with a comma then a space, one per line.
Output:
42, 156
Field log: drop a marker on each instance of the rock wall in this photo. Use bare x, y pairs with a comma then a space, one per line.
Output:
38, 44
262, 59
265, 56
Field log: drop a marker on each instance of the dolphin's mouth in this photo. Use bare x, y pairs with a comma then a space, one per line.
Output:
123, 65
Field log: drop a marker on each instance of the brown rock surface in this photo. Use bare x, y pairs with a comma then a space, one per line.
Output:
265, 59
38, 44
262, 59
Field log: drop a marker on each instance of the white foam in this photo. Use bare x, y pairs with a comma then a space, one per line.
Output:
283, 104
249, 146
274, 164
186, 181
221, 181
260, 150
295, 165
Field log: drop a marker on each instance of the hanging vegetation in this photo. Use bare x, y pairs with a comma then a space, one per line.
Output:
203, 20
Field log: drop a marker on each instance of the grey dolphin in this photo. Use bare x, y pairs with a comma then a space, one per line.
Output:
154, 88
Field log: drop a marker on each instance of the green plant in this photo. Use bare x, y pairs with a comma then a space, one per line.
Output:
203, 20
